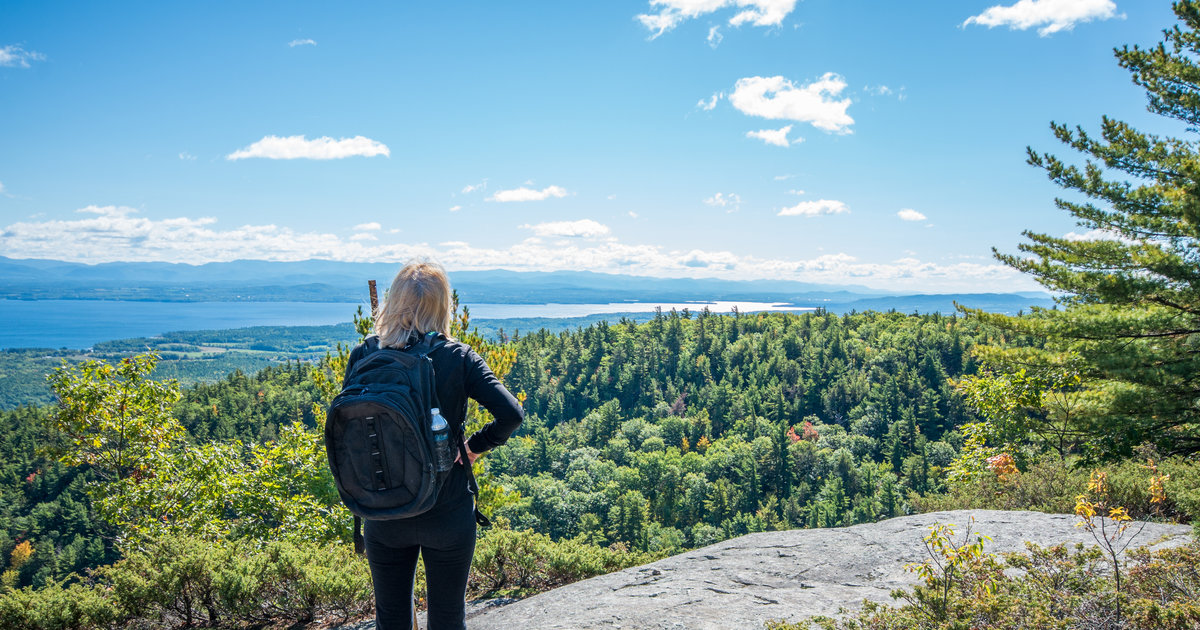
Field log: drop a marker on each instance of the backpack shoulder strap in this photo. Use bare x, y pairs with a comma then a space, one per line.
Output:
430, 342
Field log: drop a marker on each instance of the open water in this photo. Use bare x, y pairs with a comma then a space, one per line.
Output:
82, 323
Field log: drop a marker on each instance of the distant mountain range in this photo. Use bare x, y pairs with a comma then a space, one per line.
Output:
331, 281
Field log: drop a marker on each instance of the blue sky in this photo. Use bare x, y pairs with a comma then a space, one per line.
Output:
872, 142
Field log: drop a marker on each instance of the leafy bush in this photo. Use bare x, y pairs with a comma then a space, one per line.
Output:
1052, 485
1048, 485
183, 581
170, 577
306, 580
1047, 587
57, 607
518, 563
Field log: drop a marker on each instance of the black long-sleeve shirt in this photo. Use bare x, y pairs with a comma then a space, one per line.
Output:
459, 373
462, 373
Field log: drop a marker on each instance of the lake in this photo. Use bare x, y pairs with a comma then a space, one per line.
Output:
82, 323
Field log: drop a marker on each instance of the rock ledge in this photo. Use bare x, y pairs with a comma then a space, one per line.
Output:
743, 582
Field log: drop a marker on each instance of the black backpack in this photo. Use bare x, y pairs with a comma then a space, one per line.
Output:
378, 436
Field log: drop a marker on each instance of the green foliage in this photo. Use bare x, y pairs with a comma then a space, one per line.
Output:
1131, 296
271, 491
153, 483
190, 579
692, 428
113, 418
947, 566
23, 375
57, 607
249, 408
173, 581
1032, 409
44, 503
181, 581
1050, 484
512, 563
1048, 588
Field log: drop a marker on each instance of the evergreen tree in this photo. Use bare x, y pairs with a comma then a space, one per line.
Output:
1131, 286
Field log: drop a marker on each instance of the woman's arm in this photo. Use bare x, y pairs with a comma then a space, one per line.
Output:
482, 385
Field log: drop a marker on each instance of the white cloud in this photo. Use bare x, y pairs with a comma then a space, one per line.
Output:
632, 214
715, 37
111, 233
364, 237
763, 12
470, 188
731, 202
879, 90
455, 208
373, 226
584, 228
777, 137
115, 233
528, 194
1, 187
323, 148
187, 157
1098, 234
782, 178
711, 103
116, 211
710, 260
1051, 16
908, 214
777, 98
14, 56
671, 13
795, 191
814, 208
302, 42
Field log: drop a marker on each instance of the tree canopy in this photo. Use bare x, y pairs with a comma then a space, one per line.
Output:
1130, 286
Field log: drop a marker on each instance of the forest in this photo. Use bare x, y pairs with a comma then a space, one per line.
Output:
814, 391
134, 501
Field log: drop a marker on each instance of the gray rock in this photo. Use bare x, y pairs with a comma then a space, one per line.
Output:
791, 575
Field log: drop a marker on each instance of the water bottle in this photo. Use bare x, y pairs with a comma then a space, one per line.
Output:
443, 450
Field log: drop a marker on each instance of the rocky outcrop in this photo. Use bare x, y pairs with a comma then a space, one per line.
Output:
744, 582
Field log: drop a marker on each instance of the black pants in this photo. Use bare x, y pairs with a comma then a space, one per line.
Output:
445, 540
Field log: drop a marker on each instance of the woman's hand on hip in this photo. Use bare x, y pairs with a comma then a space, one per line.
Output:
470, 454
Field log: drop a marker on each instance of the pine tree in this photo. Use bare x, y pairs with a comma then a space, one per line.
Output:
1131, 287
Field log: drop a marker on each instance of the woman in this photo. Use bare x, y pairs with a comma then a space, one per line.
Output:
419, 302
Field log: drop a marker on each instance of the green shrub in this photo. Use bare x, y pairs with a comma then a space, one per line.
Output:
1051, 588
171, 577
57, 607
519, 563
188, 580
1051, 485
242, 586
1130, 488
306, 580
1048, 485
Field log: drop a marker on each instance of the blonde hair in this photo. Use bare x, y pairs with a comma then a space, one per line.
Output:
418, 302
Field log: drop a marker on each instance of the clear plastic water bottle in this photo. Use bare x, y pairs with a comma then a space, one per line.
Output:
443, 450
